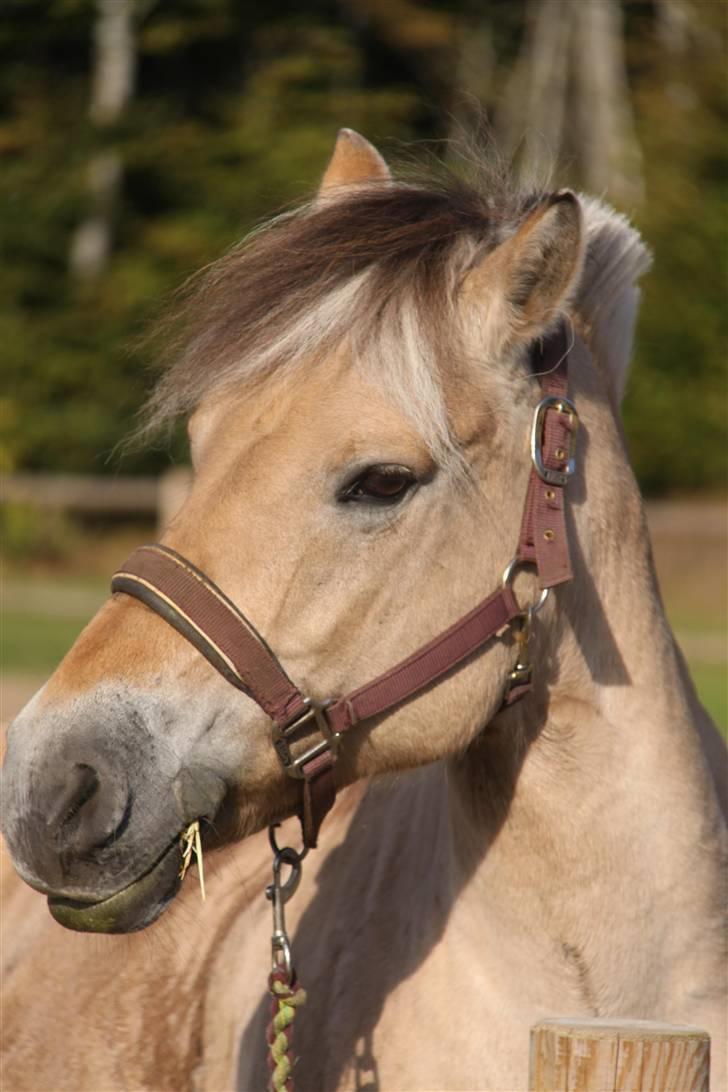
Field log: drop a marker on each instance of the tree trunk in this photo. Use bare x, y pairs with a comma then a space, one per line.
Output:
112, 88
567, 98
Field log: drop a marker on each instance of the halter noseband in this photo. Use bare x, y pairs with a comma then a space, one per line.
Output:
176, 590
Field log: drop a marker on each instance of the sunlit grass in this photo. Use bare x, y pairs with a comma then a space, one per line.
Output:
32, 643
41, 618
711, 682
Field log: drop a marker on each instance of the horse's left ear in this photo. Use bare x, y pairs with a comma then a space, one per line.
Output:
354, 162
530, 277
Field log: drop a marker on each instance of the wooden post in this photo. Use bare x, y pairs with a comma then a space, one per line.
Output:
618, 1056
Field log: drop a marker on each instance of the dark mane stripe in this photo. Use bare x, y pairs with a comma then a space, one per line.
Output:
403, 241
378, 267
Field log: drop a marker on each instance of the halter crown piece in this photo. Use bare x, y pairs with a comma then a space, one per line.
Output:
307, 734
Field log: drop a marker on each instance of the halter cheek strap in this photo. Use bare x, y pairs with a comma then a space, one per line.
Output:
543, 541
192, 604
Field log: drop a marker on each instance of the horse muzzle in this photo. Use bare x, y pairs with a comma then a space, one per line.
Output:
93, 810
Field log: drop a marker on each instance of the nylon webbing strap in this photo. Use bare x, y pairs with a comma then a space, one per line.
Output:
428, 664
543, 539
197, 609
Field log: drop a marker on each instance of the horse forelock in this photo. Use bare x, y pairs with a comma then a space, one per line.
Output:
378, 268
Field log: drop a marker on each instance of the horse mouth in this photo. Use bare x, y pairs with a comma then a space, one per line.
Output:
134, 907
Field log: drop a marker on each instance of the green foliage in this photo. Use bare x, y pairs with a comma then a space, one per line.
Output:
234, 115
33, 534
676, 410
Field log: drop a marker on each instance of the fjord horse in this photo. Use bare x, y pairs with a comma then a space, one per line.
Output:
361, 383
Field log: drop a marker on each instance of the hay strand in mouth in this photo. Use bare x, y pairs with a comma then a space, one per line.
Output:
190, 841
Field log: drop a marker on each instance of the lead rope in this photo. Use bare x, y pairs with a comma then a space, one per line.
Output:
286, 993
286, 1001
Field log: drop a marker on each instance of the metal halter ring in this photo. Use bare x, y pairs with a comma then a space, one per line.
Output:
283, 850
507, 579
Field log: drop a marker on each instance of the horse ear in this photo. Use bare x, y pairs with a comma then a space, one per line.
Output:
354, 161
536, 269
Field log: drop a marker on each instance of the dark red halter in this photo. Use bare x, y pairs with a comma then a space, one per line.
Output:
176, 590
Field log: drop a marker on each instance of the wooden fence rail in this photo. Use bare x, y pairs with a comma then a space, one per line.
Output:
83, 493
158, 498
618, 1056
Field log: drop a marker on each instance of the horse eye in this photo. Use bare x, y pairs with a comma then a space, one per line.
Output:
380, 485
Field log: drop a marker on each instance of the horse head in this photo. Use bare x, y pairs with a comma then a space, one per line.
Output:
360, 384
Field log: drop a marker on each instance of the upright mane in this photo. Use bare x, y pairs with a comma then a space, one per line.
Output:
379, 266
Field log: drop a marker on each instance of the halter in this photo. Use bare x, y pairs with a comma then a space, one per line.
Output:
307, 734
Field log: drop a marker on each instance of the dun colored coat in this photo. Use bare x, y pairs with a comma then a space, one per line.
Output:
360, 387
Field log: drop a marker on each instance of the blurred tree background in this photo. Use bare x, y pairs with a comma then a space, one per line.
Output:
140, 138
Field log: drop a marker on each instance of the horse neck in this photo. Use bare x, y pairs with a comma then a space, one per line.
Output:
593, 791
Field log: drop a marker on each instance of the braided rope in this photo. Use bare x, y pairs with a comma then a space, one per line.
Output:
287, 997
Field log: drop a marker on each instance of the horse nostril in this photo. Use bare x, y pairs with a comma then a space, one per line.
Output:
88, 808
79, 786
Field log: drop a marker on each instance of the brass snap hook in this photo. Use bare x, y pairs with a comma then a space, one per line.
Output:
522, 671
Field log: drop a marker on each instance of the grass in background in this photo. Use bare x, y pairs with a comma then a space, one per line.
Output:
55, 576
33, 643
712, 686
42, 617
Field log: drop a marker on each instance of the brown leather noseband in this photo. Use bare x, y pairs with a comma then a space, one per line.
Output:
181, 594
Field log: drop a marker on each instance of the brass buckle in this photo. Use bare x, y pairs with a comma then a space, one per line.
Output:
559, 405
293, 764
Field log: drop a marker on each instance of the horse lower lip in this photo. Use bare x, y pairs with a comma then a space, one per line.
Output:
134, 907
